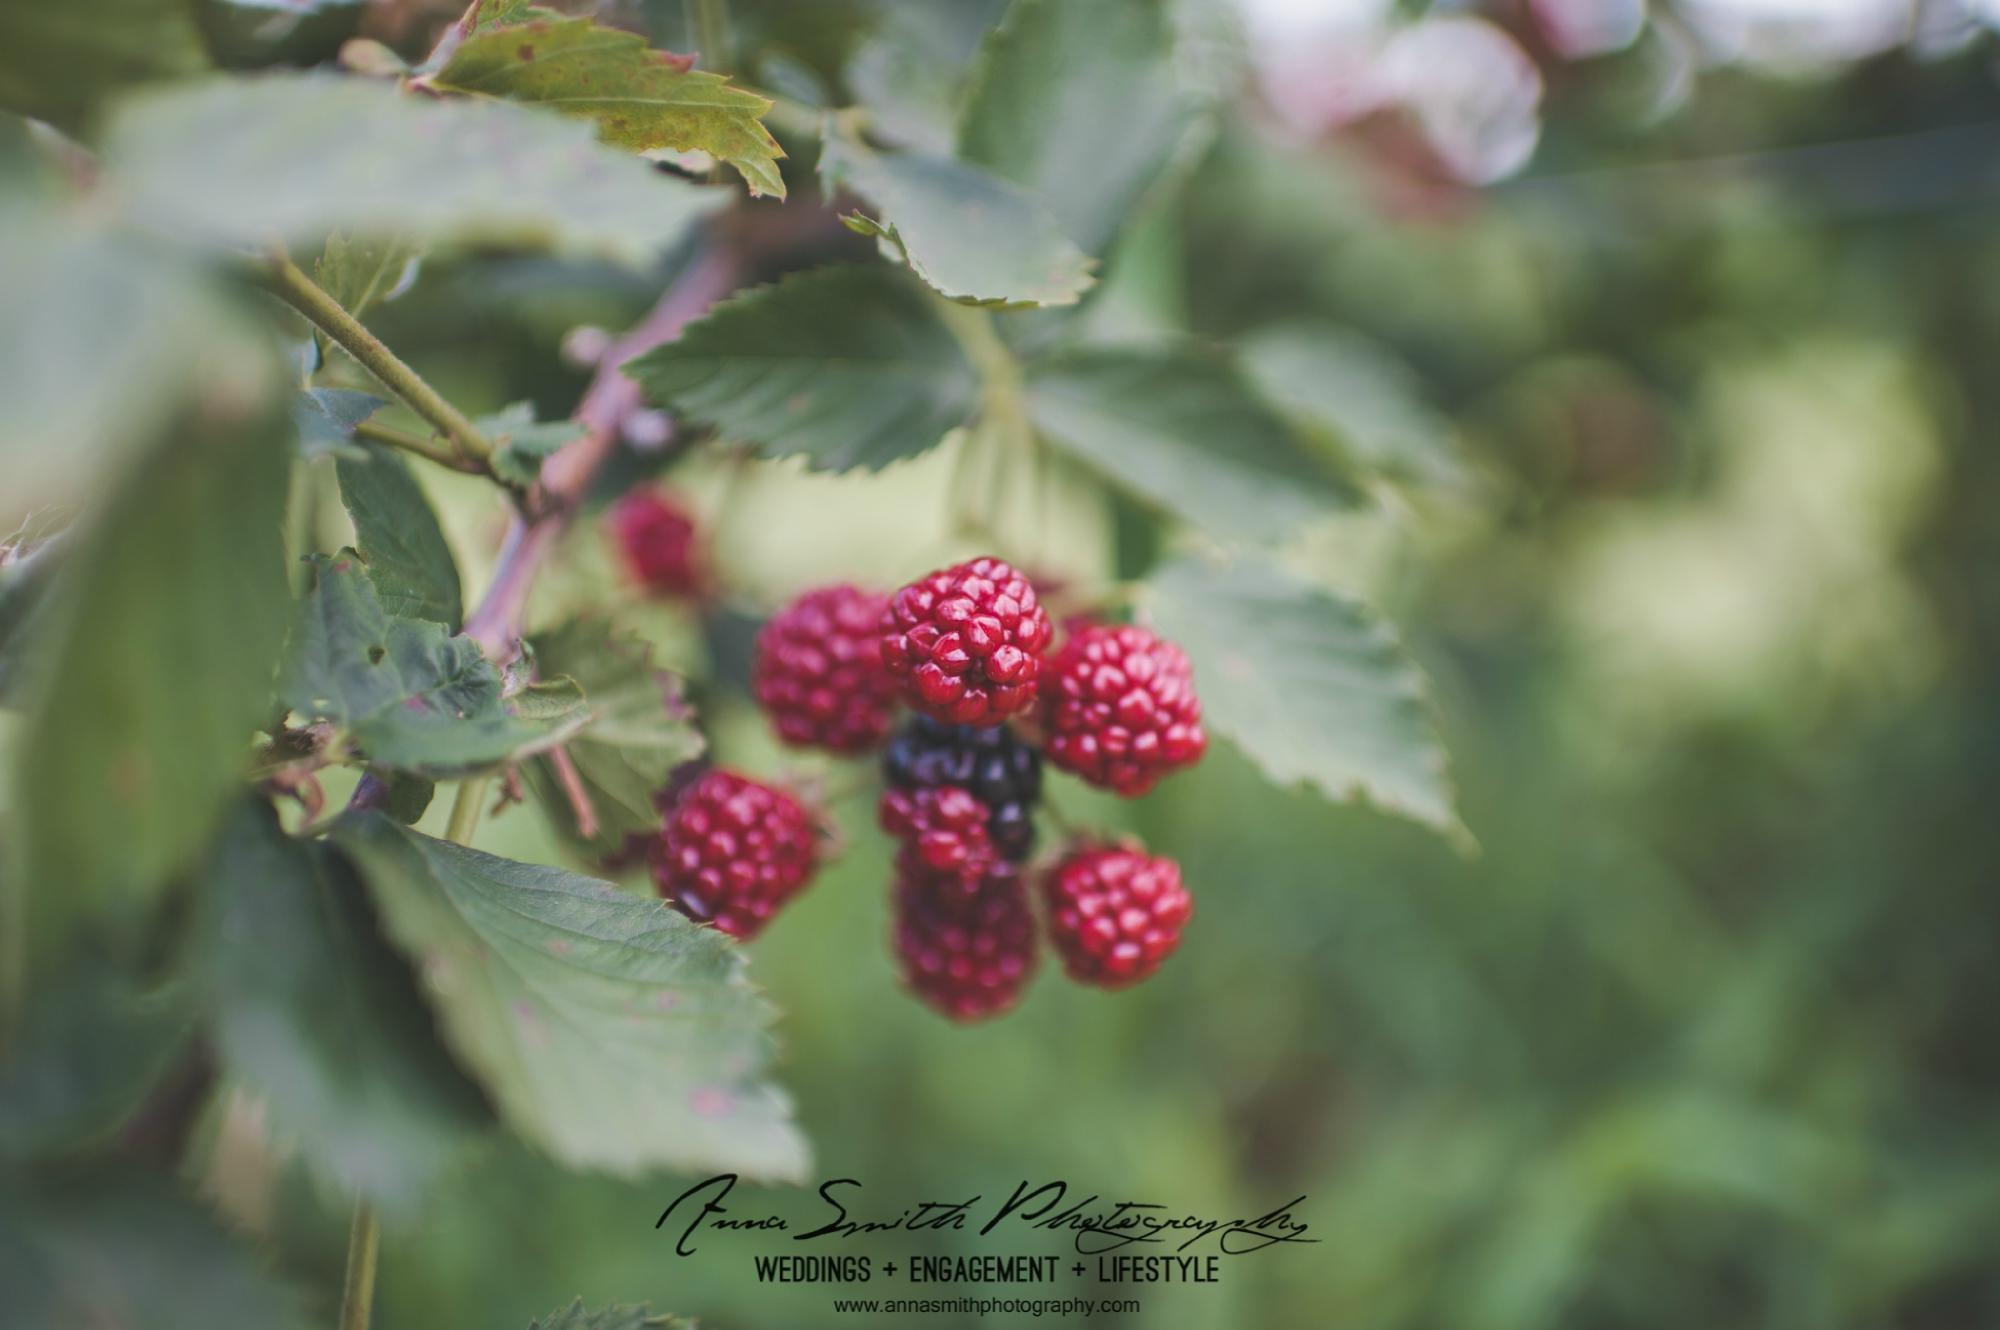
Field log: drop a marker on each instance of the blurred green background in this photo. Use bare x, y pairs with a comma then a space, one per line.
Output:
1679, 337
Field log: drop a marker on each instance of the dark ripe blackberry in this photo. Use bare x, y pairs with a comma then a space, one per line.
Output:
995, 765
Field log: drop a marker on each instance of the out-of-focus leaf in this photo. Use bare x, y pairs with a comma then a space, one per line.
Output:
408, 797
316, 1014
1309, 684
249, 34
90, 1046
169, 621
410, 695
399, 538
1079, 104
326, 418
1357, 392
909, 71
972, 236
521, 443
59, 62
359, 271
293, 157
577, 1317
639, 729
639, 98
1185, 432
129, 1253
846, 366
99, 338
612, 1031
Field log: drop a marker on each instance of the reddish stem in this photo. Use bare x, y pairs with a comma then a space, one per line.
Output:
573, 789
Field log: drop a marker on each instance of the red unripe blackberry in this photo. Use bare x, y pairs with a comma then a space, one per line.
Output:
1120, 709
943, 830
731, 851
1114, 913
658, 543
968, 955
818, 672
965, 643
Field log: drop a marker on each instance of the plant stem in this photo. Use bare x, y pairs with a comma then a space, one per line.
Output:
357, 1298
414, 443
708, 25
465, 809
289, 283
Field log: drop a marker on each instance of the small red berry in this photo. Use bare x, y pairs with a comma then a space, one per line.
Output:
967, 955
818, 673
1114, 914
731, 851
657, 539
943, 830
965, 643
1121, 709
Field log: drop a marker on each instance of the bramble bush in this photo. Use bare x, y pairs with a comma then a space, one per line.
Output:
245, 656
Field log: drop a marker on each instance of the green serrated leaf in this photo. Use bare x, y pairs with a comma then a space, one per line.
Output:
399, 537
169, 621
124, 1250
60, 62
1079, 104
409, 695
971, 236
846, 366
327, 417
1357, 394
639, 729
1310, 685
577, 1317
292, 157
521, 443
638, 97
611, 1031
360, 271
91, 1045
1182, 430
494, 13
100, 338
312, 1011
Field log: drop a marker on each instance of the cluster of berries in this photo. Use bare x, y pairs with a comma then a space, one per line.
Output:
968, 650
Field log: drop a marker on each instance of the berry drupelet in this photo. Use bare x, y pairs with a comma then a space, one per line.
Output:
1114, 913
994, 765
943, 831
1120, 709
964, 644
731, 851
968, 955
818, 672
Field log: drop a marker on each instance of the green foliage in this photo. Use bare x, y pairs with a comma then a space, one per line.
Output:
1079, 104
1311, 686
358, 271
972, 236
293, 157
59, 62
92, 1046
847, 367
1182, 431
163, 645
312, 1012
407, 693
521, 443
398, 538
639, 98
610, 1030
639, 728
125, 1253
99, 341
326, 419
